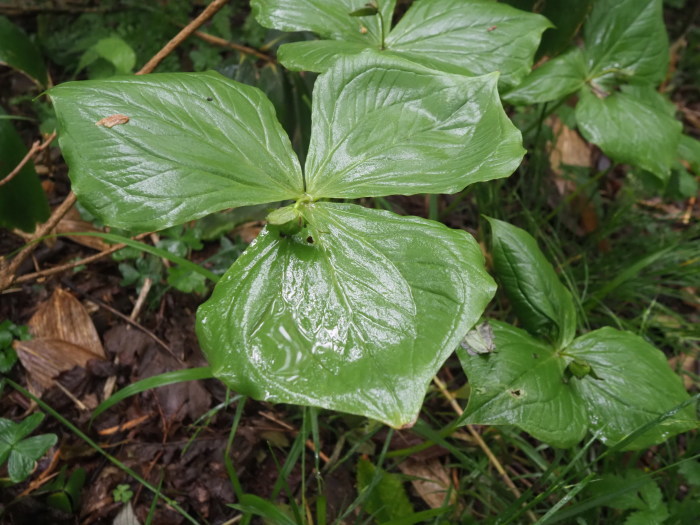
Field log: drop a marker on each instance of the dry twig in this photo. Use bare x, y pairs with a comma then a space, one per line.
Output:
217, 41
33, 151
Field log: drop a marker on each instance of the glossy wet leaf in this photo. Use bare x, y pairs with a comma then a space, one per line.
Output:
521, 383
471, 37
627, 39
553, 80
542, 303
525, 382
635, 386
19, 52
327, 18
194, 144
355, 313
384, 126
22, 200
631, 126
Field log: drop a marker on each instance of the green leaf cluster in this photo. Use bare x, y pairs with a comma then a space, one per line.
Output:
334, 305
19, 451
624, 57
557, 387
471, 37
9, 331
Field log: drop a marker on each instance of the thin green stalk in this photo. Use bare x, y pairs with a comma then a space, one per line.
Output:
228, 463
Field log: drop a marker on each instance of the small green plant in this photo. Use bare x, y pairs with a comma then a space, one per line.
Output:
556, 386
122, 493
19, 451
615, 77
8, 333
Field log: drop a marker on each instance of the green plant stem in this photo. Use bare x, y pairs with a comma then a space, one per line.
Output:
49, 410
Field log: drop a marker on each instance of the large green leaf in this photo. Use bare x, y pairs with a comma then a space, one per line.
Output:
542, 303
17, 51
521, 383
356, 312
22, 200
608, 381
472, 37
553, 80
384, 126
195, 143
327, 18
317, 55
627, 38
631, 386
631, 126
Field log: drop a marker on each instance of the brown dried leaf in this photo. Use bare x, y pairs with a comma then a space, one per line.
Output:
112, 120
248, 231
432, 483
569, 149
73, 223
64, 318
45, 359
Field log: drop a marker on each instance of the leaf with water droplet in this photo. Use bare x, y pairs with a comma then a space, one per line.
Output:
359, 320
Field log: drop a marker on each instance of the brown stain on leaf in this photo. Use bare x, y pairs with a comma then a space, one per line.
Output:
112, 120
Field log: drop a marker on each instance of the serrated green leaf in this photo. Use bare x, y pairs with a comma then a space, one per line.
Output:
384, 126
22, 200
555, 79
354, 313
473, 36
327, 18
387, 499
627, 38
647, 517
633, 385
18, 52
186, 280
631, 130
19, 451
522, 383
544, 306
620, 492
690, 469
195, 143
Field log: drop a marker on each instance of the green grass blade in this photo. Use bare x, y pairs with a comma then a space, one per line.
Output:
168, 378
